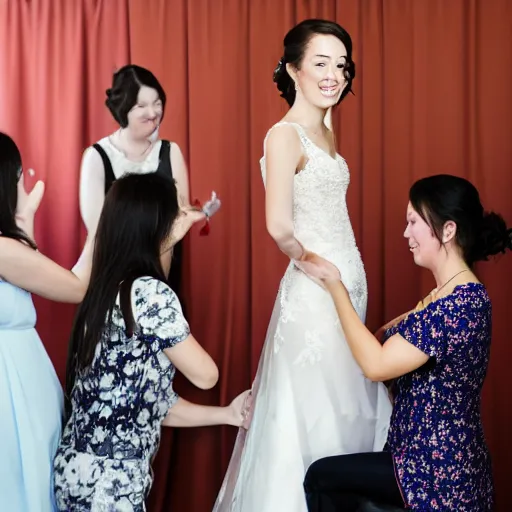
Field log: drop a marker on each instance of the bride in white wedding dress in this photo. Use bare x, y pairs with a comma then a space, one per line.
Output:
311, 399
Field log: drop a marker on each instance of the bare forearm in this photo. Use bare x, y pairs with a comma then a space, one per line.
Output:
365, 347
290, 246
82, 268
26, 224
187, 414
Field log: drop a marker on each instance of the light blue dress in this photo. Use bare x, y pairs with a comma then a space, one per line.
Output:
31, 404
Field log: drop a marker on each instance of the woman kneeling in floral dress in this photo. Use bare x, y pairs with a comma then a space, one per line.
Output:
436, 457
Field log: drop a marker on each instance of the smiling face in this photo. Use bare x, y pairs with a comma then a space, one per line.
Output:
321, 77
145, 116
423, 243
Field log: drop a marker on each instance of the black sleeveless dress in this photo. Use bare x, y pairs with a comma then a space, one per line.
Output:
165, 169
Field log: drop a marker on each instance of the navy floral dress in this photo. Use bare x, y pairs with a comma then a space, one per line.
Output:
103, 461
436, 436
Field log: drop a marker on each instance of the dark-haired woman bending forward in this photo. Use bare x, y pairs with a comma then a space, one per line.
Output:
129, 338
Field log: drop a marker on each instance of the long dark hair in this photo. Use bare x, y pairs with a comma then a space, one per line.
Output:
295, 44
442, 198
10, 174
126, 83
137, 217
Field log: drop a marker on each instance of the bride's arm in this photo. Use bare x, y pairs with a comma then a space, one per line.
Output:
283, 155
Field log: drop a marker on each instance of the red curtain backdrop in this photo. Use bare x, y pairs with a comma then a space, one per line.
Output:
432, 96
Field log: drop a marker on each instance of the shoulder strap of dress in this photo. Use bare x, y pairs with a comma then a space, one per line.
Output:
165, 166
109, 171
300, 131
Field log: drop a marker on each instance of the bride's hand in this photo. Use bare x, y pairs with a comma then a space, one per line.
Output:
318, 268
240, 410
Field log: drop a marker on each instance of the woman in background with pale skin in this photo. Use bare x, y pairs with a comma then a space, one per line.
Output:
30, 392
310, 397
137, 102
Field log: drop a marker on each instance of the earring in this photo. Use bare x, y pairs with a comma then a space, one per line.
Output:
296, 86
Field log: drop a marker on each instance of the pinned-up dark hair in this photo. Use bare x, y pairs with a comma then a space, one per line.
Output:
442, 198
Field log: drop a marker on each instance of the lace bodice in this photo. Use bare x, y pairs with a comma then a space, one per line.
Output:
321, 221
320, 212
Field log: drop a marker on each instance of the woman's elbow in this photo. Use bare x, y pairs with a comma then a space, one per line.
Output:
278, 231
375, 375
78, 294
374, 378
208, 378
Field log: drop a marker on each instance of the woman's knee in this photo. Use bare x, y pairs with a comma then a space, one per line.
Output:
310, 479
320, 473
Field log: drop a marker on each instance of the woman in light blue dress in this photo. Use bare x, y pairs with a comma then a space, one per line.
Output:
30, 394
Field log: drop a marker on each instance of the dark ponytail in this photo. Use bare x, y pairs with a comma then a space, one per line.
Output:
493, 237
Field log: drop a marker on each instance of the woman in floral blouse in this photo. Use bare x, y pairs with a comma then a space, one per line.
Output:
128, 339
436, 456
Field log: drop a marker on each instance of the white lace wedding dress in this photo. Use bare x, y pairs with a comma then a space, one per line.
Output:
311, 398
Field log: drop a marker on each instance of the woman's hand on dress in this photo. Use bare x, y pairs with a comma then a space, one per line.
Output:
240, 410
187, 217
318, 268
28, 204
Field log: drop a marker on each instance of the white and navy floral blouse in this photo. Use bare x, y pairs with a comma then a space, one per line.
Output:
118, 404
436, 435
